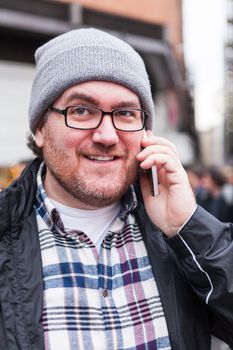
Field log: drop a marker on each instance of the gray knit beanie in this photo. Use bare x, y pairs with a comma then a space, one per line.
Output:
83, 55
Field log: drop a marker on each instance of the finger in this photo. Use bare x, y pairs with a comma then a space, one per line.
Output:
156, 140
156, 149
165, 161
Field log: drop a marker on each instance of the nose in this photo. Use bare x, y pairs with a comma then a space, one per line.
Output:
106, 133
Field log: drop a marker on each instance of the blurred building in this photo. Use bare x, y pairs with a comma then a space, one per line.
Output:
228, 132
153, 27
217, 142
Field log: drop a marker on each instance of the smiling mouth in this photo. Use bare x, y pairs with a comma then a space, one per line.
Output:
102, 158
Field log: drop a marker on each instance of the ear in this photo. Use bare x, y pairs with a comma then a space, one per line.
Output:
39, 137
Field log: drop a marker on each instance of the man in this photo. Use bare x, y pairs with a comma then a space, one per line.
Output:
90, 259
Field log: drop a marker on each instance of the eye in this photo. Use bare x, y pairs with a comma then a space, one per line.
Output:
125, 113
80, 111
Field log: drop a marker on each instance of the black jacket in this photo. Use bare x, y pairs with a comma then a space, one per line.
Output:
204, 244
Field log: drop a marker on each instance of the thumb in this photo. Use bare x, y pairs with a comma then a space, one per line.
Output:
145, 184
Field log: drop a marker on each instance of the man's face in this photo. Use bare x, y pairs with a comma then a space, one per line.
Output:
90, 168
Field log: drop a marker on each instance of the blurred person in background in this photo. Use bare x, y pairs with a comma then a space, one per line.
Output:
218, 203
228, 187
195, 173
89, 257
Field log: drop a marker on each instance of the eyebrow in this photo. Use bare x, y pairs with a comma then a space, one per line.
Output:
90, 99
81, 96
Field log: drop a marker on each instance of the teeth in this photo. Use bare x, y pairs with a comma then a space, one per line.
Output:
101, 157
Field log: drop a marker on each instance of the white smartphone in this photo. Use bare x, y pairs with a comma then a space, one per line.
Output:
154, 178
154, 181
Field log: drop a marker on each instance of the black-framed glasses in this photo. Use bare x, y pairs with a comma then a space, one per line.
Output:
88, 118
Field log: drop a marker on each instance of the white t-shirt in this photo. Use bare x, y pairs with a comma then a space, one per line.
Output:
94, 223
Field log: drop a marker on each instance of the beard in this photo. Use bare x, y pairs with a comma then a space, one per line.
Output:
93, 188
